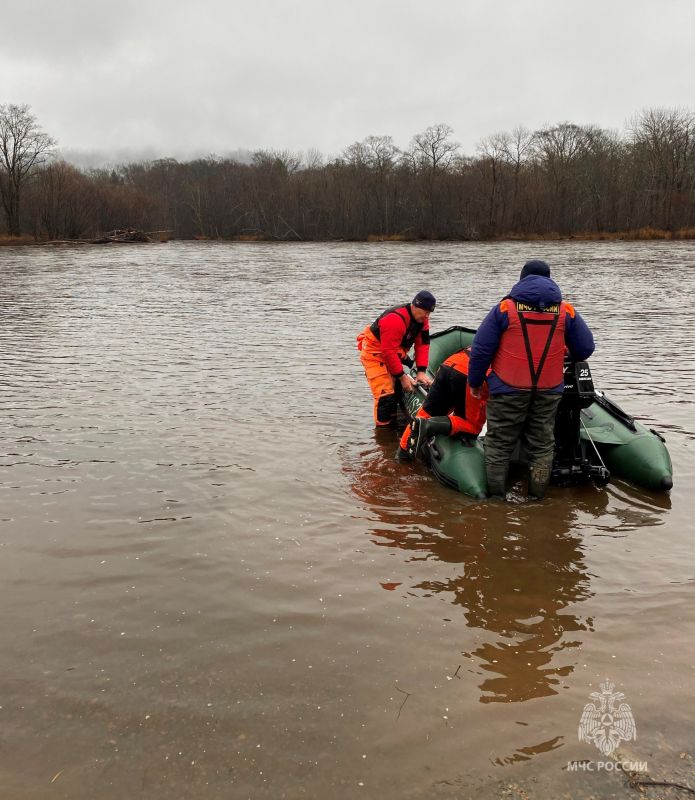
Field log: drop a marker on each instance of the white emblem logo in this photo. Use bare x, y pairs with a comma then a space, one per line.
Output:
604, 725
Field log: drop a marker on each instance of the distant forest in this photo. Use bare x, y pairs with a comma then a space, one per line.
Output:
564, 180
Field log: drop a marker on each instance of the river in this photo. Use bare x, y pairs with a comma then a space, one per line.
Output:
216, 582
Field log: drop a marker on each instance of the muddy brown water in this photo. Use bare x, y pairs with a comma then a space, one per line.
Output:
216, 582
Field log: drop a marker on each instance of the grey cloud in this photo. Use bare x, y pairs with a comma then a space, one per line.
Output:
214, 76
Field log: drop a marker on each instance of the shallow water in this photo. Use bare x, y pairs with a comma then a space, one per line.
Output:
217, 582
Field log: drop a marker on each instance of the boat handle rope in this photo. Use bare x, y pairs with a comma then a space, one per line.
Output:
593, 444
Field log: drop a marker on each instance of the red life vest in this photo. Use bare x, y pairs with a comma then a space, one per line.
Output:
475, 415
531, 351
412, 327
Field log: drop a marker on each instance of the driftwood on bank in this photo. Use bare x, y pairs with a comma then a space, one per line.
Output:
120, 236
123, 236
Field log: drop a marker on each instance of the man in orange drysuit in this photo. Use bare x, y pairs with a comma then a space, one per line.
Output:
449, 407
384, 347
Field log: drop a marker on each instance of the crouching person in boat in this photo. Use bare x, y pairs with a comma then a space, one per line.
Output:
449, 408
384, 346
523, 340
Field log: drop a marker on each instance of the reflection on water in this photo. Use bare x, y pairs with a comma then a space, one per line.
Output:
217, 582
508, 574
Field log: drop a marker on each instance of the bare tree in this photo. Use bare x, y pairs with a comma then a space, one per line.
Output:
356, 155
560, 149
23, 147
492, 159
369, 169
434, 147
518, 149
382, 153
431, 154
601, 176
64, 200
280, 161
664, 145
312, 159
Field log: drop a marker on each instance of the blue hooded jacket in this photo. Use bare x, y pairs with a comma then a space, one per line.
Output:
539, 291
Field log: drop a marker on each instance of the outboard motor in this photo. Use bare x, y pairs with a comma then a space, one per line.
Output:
571, 464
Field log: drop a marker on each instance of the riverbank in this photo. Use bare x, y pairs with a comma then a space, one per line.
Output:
121, 236
641, 234
17, 241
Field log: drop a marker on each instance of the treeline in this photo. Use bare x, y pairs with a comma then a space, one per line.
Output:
563, 179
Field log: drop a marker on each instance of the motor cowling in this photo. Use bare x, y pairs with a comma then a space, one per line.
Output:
579, 385
571, 463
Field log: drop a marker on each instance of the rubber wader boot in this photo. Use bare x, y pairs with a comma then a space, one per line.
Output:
538, 479
402, 455
424, 428
497, 481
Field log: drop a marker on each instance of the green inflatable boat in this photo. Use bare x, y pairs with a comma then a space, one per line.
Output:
595, 438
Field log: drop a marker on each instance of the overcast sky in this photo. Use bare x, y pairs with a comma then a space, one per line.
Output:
181, 78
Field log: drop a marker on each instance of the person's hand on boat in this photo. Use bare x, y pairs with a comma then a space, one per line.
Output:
407, 383
424, 379
476, 391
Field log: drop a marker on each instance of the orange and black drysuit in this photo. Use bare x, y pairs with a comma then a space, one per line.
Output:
384, 347
450, 396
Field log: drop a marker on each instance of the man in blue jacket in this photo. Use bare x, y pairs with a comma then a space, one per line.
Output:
523, 341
